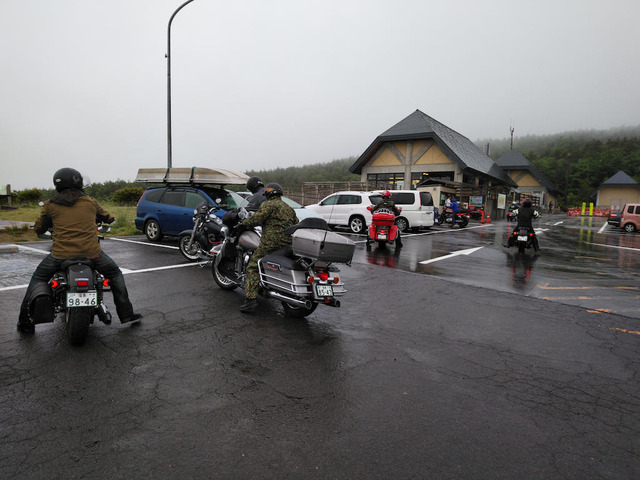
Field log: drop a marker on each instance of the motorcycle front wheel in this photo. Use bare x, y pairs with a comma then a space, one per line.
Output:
78, 320
298, 312
191, 252
220, 278
463, 222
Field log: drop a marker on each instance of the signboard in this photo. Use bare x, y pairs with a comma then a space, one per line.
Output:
502, 201
3, 189
475, 200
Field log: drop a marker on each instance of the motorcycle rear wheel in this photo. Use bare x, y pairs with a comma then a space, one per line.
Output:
298, 312
463, 222
193, 252
78, 320
223, 281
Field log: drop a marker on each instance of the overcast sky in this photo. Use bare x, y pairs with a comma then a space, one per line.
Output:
260, 84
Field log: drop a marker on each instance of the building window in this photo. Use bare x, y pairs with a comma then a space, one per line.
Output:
386, 181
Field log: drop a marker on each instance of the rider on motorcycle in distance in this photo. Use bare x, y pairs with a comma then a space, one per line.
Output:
386, 202
524, 216
72, 214
275, 217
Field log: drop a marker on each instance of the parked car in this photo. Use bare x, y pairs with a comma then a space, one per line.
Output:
169, 210
614, 218
630, 217
417, 209
301, 212
348, 209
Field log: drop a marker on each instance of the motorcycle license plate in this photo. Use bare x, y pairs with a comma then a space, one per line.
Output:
324, 290
522, 238
382, 236
82, 299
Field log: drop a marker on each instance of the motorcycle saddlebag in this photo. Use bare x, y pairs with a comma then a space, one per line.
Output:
322, 245
41, 304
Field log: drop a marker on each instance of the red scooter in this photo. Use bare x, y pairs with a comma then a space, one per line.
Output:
383, 228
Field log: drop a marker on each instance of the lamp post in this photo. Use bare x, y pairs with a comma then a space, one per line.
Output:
168, 55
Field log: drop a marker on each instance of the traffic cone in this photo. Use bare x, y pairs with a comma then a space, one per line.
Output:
488, 219
482, 219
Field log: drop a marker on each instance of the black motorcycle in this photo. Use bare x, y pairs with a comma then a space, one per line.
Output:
75, 291
301, 275
523, 238
196, 244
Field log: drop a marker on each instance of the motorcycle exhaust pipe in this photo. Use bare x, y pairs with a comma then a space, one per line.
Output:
291, 301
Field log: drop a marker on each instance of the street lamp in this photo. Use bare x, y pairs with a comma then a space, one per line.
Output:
168, 55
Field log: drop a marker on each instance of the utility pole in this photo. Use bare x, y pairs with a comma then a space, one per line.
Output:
168, 56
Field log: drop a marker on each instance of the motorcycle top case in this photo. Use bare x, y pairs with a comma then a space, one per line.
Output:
322, 245
384, 219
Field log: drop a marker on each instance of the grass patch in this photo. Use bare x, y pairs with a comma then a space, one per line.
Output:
123, 226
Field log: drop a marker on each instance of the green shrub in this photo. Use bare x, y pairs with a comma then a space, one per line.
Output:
127, 195
30, 196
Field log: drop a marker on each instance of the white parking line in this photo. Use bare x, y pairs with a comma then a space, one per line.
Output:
142, 243
616, 246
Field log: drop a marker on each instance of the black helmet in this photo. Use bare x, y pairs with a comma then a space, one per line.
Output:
67, 178
527, 202
253, 183
272, 190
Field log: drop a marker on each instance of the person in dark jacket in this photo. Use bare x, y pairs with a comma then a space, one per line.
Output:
256, 187
275, 217
72, 215
524, 216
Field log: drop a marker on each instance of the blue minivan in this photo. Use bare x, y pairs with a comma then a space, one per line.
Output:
169, 210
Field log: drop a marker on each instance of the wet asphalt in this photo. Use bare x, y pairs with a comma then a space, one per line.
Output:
441, 370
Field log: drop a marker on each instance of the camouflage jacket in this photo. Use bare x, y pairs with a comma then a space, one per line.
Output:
274, 216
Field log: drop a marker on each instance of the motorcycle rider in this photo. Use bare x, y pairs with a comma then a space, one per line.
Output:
72, 214
386, 202
275, 217
256, 187
525, 215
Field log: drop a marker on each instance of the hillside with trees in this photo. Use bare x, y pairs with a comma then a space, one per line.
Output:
575, 162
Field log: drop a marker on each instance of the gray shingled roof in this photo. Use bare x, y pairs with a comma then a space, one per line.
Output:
513, 160
419, 126
620, 179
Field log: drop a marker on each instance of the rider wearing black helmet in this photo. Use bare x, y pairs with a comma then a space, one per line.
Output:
256, 187
275, 217
525, 215
72, 214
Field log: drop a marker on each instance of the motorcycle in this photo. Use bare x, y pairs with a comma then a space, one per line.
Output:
383, 228
462, 218
301, 275
75, 291
523, 238
197, 244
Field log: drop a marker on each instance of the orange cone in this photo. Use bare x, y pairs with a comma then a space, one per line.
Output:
488, 219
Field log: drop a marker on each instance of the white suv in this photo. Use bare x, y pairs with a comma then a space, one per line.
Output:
417, 208
347, 209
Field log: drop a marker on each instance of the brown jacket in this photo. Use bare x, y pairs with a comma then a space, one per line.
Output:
73, 214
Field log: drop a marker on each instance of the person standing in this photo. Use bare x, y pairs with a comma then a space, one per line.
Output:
274, 216
454, 209
72, 214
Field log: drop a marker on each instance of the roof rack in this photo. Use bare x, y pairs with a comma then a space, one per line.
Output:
191, 176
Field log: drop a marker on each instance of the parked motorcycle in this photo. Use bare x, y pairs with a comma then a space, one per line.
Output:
196, 244
302, 275
462, 218
76, 291
383, 228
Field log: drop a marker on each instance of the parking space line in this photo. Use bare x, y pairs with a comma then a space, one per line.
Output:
616, 246
141, 243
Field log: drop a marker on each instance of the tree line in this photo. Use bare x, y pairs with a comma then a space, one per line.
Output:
577, 163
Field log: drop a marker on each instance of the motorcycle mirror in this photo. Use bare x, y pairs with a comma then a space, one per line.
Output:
45, 236
104, 228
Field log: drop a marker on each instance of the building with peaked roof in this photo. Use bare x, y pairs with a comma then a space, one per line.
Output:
419, 149
531, 183
617, 191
